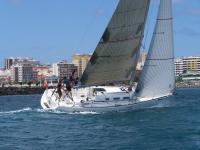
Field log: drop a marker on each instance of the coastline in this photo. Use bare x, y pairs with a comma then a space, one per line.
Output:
21, 91
188, 84
5, 91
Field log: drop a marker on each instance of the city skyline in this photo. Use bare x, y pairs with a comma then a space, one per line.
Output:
50, 31
24, 70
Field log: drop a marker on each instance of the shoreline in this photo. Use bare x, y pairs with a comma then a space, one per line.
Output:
188, 84
18, 91
5, 91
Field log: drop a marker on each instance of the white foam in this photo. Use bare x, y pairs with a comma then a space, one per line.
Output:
161, 105
85, 113
15, 111
55, 111
27, 109
41, 110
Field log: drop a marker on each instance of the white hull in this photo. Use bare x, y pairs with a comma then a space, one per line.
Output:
120, 108
49, 101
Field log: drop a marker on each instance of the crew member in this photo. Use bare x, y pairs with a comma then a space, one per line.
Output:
68, 86
59, 88
45, 85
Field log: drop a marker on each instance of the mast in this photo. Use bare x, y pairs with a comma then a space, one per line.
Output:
115, 57
158, 78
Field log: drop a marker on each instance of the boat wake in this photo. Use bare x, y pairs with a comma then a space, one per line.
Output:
55, 111
85, 113
38, 110
161, 104
15, 111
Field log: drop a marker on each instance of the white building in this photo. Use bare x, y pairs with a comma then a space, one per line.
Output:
179, 66
8, 62
22, 72
55, 69
187, 64
63, 69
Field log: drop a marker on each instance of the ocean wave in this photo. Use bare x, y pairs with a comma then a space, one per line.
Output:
161, 105
50, 111
84, 113
16, 111
40, 110
55, 111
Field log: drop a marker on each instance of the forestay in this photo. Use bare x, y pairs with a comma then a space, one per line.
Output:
158, 77
115, 57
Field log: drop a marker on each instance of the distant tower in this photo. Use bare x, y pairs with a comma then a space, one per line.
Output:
81, 60
191, 64
179, 66
22, 72
63, 69
8, 63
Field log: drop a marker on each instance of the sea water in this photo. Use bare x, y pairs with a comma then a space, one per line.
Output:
172, 124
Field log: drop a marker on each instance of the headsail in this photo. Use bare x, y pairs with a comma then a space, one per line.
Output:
115, 57
158, 77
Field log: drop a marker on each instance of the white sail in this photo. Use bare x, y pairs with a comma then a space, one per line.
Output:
158, 79
116, 55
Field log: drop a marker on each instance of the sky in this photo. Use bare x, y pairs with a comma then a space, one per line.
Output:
54, 30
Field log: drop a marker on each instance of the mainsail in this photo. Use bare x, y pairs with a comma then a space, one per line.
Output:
116, 55
158, 77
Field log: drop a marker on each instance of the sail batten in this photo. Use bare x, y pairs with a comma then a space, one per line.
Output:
158, 78
115, 56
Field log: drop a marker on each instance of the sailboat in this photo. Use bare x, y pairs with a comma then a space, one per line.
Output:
114, 61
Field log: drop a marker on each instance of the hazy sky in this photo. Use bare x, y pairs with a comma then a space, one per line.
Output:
53, 30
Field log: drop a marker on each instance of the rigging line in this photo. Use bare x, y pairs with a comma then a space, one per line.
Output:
89, 25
